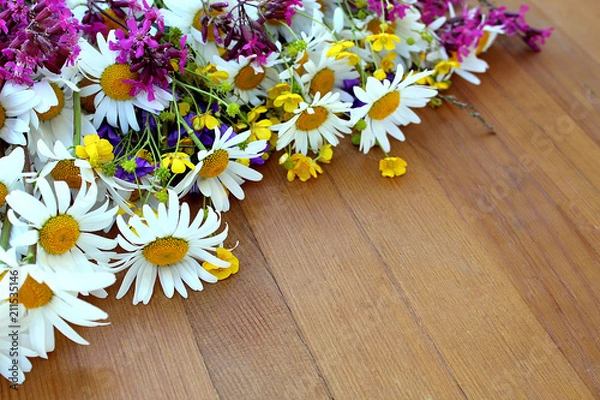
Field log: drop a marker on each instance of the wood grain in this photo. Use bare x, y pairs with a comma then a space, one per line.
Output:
144, 352
475, 275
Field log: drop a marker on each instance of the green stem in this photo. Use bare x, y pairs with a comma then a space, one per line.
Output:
76, 119
5, 234
30, 258
192, 134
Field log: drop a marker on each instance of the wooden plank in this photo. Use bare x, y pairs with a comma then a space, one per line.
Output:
569, 180
146, 352
539, 108
579, 19
574, 86
474, 315
363, 335
248, 337
555, 271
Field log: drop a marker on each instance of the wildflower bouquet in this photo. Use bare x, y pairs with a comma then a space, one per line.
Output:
112, 111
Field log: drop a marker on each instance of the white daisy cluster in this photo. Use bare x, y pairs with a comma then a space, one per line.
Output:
54, 251
110, 124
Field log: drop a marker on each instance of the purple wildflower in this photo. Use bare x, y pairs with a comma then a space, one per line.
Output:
396, 11
514, 23
433, 9
142, 168
40, 35
148, 57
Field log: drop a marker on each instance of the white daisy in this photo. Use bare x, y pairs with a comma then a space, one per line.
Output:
165, 244
409, 29
187, 17
469, 65
59, 164
328, 75
113, 100
61, 230
46, 99
14, 351
387, 105
304, 16
248, 81
314, 122
490, 33
11, 173
48, 300
16, 102
218, 170
15, 345
56, 124
317, 38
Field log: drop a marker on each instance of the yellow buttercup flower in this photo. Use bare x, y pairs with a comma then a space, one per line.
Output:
325, 153
353, 59
379, 74
205, 120
444, 67
97, 151
392, 166
382, 41
244, 161
177, 162
146, 155
260, 130
223, 273
429, 81
338, 47
289, 101
184, 108
255, 113
278, 90
442, 85
301, 166
213, 74
387, 64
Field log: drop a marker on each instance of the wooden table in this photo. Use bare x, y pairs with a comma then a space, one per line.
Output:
476, 275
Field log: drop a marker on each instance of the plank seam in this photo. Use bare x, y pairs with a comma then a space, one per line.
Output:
400, 292
210, 375
297, 328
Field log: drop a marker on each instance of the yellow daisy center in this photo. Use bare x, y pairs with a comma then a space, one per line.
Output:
483, 41
54, 111
214, 164
65, 170
2, 116
385, 106
323, 82
308, 122
165, 251
87, 103
34, 294
248, 79
300, 69
59, 234
113, 22
197, 23
375, 26
3, 194
112, 81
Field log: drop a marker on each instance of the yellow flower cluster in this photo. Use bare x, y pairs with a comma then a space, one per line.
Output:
304, 167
